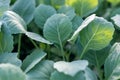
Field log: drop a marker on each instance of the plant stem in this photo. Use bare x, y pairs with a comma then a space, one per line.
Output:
61, 45
69, 53
98, 68
82, 54
48, 49
34, 43
67, 57
62, 51
19, 44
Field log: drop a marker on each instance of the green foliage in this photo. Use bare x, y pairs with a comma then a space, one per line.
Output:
10, 58
14, 22
112, 63
76, 21
116, 20
83, 25
31, 60
67, 68
6, 40
83, 7
11, 72
99, 31
37, 37
42, 70
114, 2
97, 58
4, 6
40, 16
68, 11
65, 39
26, 10
59, 30
60, 76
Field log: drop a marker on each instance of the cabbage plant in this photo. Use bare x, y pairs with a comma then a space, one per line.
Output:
59, 40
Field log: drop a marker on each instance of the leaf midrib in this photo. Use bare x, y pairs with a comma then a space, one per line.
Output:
86, 46
58, 33
92, 37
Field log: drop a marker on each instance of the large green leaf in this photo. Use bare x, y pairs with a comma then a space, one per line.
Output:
112, 63
4, 6
14, 22
82, 26
101, 33
71, 68
42, 13
116, 20
37, 37
25, 8
42, 71
68, 11
83, 7
34, 58
57, 28
6, 40
97, 35
10, 58
11, 72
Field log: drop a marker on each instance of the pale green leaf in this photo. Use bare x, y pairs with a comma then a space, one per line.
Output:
60, 76
10, 58
42, 71
71, 68
34, 58
11, 72
6, 40
57, 28
112, 63
14, 22
25, 8
116, 20
37, 37
82, 26
87, 74
68, 11
4, 6
42, 13
83, 7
